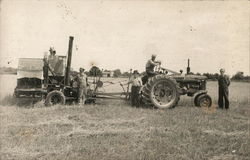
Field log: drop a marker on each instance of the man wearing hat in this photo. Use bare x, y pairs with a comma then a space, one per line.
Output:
223, 82
135, 89
51, 50
151, 65
82, 86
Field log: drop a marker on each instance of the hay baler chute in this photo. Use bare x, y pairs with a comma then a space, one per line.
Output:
29, 78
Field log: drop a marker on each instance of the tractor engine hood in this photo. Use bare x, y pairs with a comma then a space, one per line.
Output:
189, 77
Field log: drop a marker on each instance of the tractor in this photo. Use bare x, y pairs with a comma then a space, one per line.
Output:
164, 90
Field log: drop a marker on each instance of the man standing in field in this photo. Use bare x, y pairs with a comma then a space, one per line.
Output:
223, 82
82, 86
135, 89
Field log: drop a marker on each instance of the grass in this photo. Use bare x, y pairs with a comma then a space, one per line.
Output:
114, 130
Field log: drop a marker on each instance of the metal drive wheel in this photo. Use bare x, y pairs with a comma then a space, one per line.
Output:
161, 91
203, 100
55, 97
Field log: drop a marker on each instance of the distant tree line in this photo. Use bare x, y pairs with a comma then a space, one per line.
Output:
239, 76
211, 76
95, 71
8, 70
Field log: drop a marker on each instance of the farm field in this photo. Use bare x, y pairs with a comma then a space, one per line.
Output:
112, 129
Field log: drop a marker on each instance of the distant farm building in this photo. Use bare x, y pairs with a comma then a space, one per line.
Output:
108, 73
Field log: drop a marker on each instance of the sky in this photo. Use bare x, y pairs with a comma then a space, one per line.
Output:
124, 34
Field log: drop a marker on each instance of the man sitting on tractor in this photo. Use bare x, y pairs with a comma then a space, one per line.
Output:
150, 66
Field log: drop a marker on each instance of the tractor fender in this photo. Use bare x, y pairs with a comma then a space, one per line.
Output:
200, 92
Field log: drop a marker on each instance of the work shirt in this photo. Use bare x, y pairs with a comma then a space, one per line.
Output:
136, 81
150, 65
223, 81
81, 80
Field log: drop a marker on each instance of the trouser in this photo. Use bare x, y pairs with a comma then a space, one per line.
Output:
81, 95
149, 74
135, 96
223, 97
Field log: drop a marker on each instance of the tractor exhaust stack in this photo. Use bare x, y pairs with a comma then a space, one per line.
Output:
188, 67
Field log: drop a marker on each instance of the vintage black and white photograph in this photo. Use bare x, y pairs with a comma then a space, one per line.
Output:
124, 79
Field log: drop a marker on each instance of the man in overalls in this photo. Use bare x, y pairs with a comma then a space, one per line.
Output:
82, 86
135, 89
223, 82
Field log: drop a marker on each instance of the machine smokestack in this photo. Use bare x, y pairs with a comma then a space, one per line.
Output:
188, 67
67, 80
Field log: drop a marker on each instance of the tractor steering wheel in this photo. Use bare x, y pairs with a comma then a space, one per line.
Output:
158, 68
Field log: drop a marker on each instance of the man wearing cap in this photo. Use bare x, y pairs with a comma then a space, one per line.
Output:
151, 65
135, 89
82, 86
223, 82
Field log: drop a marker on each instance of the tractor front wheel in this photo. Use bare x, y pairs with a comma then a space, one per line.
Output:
55, 97
203, 100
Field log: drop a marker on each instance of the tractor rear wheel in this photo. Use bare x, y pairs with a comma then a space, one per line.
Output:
161, 91
55, 97
203, 100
